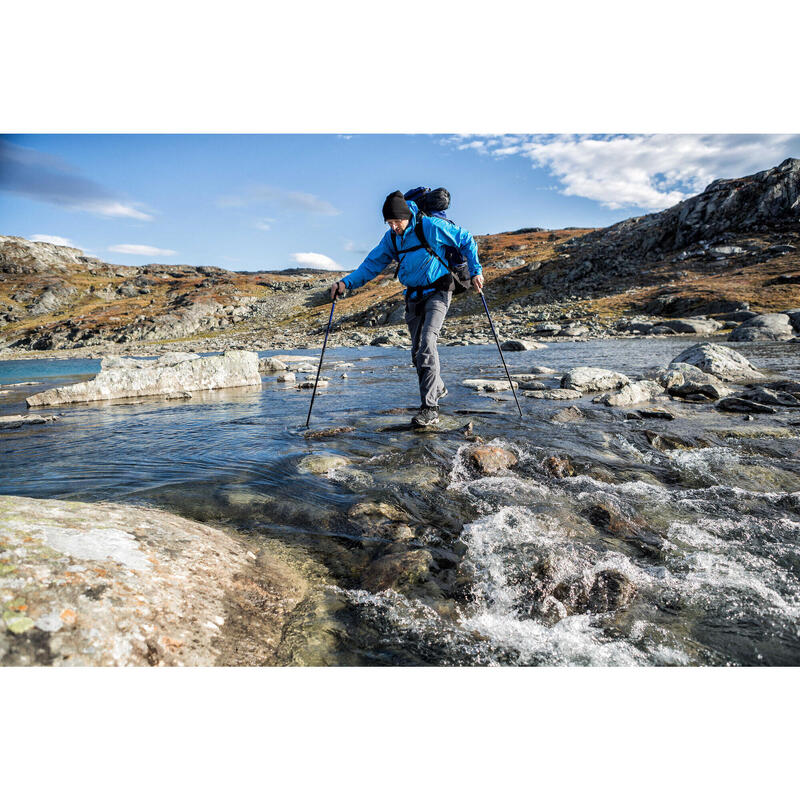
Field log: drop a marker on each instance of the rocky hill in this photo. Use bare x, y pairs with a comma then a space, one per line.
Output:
720, 258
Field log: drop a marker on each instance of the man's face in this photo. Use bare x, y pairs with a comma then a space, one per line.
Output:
397, 225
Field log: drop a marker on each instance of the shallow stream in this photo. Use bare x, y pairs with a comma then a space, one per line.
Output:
662, 542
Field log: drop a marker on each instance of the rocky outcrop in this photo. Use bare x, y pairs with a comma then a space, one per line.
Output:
170, 374
722, 362
18, 256
725, 205
85, 584
772, 327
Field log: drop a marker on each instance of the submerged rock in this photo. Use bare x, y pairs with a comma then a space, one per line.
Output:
89, 584
321, 464
328, 432
518, 345
722, 362
398, 571
174, 372
559, 466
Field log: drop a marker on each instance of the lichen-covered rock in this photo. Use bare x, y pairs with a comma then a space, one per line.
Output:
632, 394
722, 362
90, 584
173, 372
593, 379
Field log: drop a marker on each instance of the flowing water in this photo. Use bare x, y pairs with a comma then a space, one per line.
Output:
667, 542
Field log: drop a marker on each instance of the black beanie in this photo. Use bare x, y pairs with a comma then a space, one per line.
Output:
395, 207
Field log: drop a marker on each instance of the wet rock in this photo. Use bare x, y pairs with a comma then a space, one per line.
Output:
321, 464
162, 377
770, 397
655, 413
592, 379
722, 362
532, 385
554, 394
631, 395
711, 389
488, 385
559, 467
771, 327
569, 414
326, 433
398, 571
89, 584
612, 590
521, 344
287, 377
666, 442
271, 364
490, 459
739, 404
18, 420
321, 384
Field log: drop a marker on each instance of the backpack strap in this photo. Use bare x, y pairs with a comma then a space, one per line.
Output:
421, 236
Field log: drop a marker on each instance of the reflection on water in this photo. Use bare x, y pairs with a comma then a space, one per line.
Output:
684, 553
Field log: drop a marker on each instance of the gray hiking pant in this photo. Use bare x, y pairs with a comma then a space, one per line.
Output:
424, 320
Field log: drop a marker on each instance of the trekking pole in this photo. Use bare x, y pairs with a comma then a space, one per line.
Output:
322, 354
499, 350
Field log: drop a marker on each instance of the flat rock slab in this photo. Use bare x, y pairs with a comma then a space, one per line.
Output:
554, 394
18, 420
481, 385
97, 584
172, 373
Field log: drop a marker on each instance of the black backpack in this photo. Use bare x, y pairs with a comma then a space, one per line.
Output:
433, 203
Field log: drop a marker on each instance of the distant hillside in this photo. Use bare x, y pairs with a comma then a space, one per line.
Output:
736, 245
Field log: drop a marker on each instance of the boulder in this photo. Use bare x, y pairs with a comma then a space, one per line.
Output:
271, 364
520, 344
166, 376
96, 584
691, 325
593, 379
287, 377
770, 327
490, 459
632, 394
722, 362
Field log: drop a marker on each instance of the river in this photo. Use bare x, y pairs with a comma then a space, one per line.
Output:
696, 520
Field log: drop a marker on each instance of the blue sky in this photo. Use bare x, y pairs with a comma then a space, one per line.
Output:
246, 202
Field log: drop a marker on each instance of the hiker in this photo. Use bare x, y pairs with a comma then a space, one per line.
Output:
430, 283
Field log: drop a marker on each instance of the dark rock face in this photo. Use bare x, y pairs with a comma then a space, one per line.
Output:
728, 204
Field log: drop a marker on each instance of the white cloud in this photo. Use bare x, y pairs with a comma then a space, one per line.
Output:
316, 261
44, 237
141, 250
264, 224
114, 209
260, 194
650, 171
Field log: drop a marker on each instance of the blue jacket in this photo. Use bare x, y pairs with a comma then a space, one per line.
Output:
418, 268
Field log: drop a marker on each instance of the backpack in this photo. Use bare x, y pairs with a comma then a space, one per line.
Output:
433, 203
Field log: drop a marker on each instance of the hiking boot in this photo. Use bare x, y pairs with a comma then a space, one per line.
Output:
425, 416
